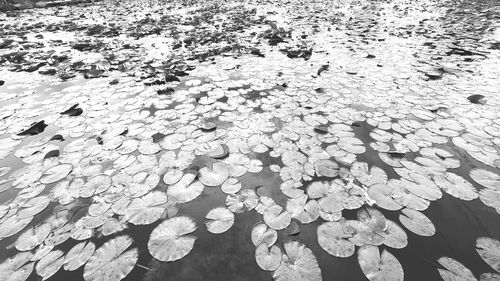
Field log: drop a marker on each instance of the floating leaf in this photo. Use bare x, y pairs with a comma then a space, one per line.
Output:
455, 271
489, 277
50, 264
268, 259
277, 218
111, 262
186, 189
215, 176
326, 168
56, 173
382, 195
333, 239
17, 268
373, 218
231, 186
245, 199
368, 177
491, 198
220, 220
261, 233
78, 255
486, 178
489, 250
13, 225
417, 222
146, 209
298, 263
394, 236
33, 237
456, 186
169, 240
379, 267
33, 206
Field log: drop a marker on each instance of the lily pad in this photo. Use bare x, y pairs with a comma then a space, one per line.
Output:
50, 264
33, 237
268, 259
56, 173
489, 250
298, 263
78, 255
169, 240
366, 176
486, 178
378, 266
215, 176
417, 222
455, 271
147, 209
261, 233
17, 268
276, 217
326, 168
112, 261
186, 189
220, 220
333, 239
13, 225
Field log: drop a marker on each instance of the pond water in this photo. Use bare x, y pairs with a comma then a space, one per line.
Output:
174, 131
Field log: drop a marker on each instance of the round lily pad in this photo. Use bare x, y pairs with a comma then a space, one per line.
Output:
220, 220
112, 261
268, 259
170, 241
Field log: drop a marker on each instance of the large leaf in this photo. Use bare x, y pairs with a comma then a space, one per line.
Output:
366, 176
50, 264
417, 222
276, 217
33, 237
455, 271
111, 262
186, 189
78, 255
378, 267
56, 173
13, 225
169, 240
298, 264
489, 250
215, 176
17, 268
333, 239
486, 178
146, 209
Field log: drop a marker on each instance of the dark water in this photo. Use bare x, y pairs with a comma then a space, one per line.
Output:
458, 30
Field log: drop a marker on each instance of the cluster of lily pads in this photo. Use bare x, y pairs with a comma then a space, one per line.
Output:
93, 160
